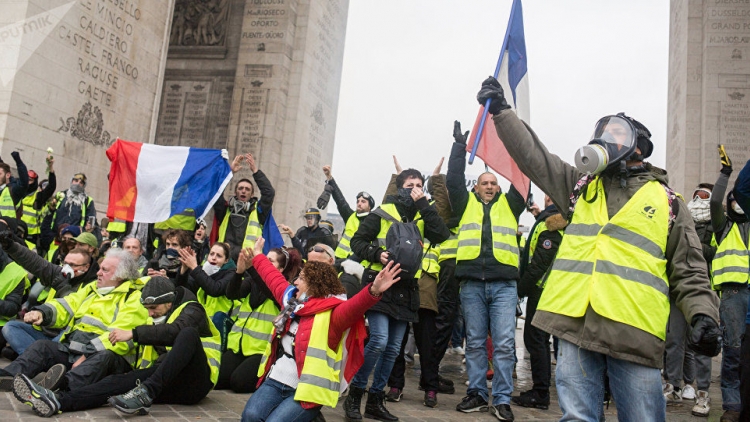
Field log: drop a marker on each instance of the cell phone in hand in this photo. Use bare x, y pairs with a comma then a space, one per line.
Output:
92, 221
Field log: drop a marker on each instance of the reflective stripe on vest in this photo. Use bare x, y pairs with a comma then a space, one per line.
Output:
320, 378
504, 230
384, 226
7, 207
211, 347
252, 328
449, 248
344, 249
253, 231
30, 216
430, 259
617, 266
731, 263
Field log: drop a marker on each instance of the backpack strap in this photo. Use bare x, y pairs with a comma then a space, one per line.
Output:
382, 214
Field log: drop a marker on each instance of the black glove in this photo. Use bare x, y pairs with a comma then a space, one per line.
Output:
16, 156
457, 136
6, 236
325, 197
726, 163
491, 89
705, 336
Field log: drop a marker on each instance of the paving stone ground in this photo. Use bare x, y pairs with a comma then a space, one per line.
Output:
225, 406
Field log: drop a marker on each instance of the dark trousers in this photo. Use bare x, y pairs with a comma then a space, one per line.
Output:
745, 375
183, 376
448, 304
537, 344
238, 372
43, 354
424, 337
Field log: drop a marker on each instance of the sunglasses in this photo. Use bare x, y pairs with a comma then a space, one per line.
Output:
320, 249
151, 299
702, 194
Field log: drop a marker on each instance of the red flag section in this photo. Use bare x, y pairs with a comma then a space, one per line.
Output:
122, 187
492, 151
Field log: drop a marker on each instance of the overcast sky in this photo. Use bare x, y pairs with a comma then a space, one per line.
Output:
413, 67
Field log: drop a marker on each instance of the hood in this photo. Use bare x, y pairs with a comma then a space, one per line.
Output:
731, 213
555, 222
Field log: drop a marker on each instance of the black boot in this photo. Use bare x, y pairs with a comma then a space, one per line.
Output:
352, 404
375, 407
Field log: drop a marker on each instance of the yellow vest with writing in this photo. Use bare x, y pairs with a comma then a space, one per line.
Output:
731, 263
504, 230
617, 265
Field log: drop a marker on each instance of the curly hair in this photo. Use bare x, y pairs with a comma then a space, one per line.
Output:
321, 279
183, 238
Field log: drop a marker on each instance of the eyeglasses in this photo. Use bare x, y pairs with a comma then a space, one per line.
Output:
77, 179
151, 299
320, 249
74, 265
702, 194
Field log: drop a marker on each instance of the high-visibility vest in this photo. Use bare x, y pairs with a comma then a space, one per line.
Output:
12, 275
344, 250
384, 226
30, 216
320, 379
7, 207
252, 329
211, 347
449, 248
430, 259
214, 304
617, 265
253, 231
504, 229
538, 230
60, 196
185, 220
86, 310
51, 252
117, 225
731, 263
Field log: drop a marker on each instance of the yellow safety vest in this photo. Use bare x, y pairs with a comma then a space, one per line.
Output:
30, 216
60, 196
616, 265
252, 330
117, 226
320, 379
430, 259
731, 263
12, 275
449, 248
253, 231
384, 226
344, 250
214, 304
504, 229
51, 252
7, 207
185, 220
211, 347
538, 230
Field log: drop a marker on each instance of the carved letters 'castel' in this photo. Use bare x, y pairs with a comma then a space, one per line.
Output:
199, 22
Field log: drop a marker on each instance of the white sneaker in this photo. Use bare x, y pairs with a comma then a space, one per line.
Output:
702, 404
671, 394
688, 392
458, 351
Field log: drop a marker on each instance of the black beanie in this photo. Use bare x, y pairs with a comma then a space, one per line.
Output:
156, 291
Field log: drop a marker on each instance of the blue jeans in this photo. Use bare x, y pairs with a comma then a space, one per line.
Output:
20, 335
274, 401
490, 307
732, 312
636, 389
386, 334
458, 334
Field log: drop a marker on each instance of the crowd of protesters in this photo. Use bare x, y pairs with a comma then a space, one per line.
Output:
635, 285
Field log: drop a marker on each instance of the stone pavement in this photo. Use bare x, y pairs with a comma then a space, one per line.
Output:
224, 406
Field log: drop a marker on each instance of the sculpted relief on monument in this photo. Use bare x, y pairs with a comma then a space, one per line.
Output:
199, 23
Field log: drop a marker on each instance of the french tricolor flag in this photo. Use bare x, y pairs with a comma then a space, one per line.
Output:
150, 183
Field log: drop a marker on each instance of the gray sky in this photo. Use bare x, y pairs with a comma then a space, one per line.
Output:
413, 67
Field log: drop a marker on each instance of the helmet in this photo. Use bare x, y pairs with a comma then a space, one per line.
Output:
327, 224
313, 212
368, 197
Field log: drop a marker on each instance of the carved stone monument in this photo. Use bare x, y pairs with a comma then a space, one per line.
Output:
258, 76
709, 89
77, 74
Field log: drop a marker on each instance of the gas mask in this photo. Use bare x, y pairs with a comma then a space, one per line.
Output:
700, 208
613, 142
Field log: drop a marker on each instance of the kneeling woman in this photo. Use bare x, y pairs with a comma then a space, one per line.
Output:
302, 366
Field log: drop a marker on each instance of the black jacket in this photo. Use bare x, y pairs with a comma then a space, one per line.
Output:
544, 254
401, 301
214, 285
249, 283
306, 238
485, 267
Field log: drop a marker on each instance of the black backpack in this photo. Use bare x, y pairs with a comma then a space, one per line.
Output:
403, 242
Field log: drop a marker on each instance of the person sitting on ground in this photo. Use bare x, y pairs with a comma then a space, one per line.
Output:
178, 361
316, 315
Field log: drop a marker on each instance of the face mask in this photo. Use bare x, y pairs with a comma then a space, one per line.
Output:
171, 253
210, 269
105, 290
404, 197
76, 188
68, 271
737, 209
612, 142
700, 209
160, 320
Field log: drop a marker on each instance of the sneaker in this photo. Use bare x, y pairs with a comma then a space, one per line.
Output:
42, 401
532, 398
472, 403
502, 412
688, 392
671, 394
137, 400
54, 377
458, 350
702, 404
730, 416
430, 399
394, 394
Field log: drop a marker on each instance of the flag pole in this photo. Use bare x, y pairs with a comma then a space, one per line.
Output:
478, 135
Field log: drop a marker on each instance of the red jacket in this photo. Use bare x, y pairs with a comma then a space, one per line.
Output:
346, 314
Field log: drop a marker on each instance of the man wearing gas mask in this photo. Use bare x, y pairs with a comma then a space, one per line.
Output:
730, 277
630, 244
240, 219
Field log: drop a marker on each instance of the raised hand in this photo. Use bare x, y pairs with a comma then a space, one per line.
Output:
457, 135
327, 172
187, 257
398, 166
726, 163
251, 162
436, 172
385, 278
237, 163
491, 89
